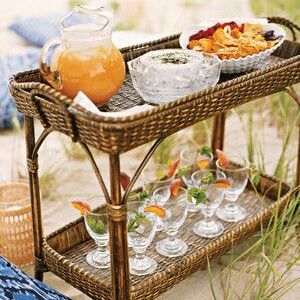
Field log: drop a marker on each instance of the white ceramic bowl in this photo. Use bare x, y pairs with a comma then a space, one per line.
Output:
237, 65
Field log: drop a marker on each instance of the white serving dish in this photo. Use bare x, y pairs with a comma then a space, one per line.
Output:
159, 81
236, 65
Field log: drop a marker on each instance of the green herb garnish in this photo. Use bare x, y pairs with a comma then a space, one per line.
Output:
198, 194
205, 150
185, 171
96, 226
172, 58
136, 221
141, 196
207, 178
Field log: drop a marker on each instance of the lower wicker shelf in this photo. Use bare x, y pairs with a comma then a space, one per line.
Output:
65, 250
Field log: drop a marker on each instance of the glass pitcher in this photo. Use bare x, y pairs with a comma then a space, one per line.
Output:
84, 57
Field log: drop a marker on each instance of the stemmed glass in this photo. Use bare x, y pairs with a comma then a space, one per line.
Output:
97, 227
157, 186
211, 197
154, 177
191, 160
160, 197
237, 174
176, 212
141, 231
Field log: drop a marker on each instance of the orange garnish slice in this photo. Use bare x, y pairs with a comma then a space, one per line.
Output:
81, 206
203, 163
224, 161
155, 209
175, 186
222, 183
172, 168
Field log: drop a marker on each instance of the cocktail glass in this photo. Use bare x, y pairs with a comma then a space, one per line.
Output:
97, 227
208, 227
237, 174
176, 212
154, 176
157, 185
190, 161
141, 231
161, 196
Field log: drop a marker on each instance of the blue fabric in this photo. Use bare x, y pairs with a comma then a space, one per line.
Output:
37, 30
11, 64
16, 285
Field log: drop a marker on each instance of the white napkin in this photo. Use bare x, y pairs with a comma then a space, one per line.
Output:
84, 101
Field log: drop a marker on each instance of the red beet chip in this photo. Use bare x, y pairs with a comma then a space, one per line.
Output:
125, 180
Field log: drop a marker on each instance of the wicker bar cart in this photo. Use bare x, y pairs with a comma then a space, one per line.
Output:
63, 252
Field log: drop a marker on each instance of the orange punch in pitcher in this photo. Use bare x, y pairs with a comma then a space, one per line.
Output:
84, 58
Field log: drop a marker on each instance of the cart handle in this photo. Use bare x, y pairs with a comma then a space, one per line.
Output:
287, 23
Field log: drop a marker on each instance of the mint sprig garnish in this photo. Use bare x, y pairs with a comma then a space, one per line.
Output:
198, 194
205, 150
207, 178
136, 221
141, 196
185, 171
96, 226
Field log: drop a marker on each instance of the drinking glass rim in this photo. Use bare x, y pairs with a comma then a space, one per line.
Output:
152, 215
161, 188
247, 165
133, 202
210, 156
184, 195
143, 175
87, 213
185, 150
208, 170
92, 212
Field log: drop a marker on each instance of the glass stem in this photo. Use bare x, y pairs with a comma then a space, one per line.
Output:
207, 218
139, 256
172, 241
231, 206
102, 249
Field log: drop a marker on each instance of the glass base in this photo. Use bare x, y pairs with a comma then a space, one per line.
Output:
232, 216
178, 248
159, 225
192, 207
215, 229
103, 263
147, 267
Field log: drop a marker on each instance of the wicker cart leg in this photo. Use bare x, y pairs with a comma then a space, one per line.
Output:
34, 196
218, 132
298, 160
118, 234
292, 93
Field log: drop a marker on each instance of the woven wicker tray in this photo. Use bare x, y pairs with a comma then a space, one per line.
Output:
65, 250
121, 134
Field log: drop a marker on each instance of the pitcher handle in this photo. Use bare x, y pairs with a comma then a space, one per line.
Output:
53, 77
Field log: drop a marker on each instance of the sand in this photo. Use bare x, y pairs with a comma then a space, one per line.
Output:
75, 177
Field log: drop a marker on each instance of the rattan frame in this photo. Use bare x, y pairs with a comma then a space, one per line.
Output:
38, 100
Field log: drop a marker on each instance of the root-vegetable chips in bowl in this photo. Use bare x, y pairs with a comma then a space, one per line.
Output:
241, 46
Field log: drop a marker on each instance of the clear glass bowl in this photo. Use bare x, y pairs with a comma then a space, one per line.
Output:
165, 75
